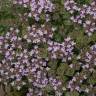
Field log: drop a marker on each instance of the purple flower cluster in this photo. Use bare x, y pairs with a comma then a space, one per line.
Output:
85, 15
18, 61
88, 64
90, 59
38, 35
37, 7
52, 81
61, 50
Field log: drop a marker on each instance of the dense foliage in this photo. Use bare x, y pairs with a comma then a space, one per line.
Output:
48, 47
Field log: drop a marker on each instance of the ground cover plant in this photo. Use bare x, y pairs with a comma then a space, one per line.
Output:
47, 48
